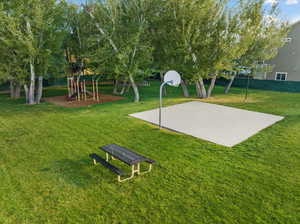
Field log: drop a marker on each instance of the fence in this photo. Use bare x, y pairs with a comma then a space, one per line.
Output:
281, 86
4, 87
58, 82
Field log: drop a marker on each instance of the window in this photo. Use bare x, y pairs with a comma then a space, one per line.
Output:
281, 76
287, 40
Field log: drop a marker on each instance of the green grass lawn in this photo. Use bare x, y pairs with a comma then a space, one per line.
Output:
46, 175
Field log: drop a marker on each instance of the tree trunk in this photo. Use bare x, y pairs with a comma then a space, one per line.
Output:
78, 88
128, 87
229, 84
116, 86
32, 84
26, 93
212, 86
15, 90
68, 85
202, 88
135, 89
101, 30
32, 71
198, 89
123, 87
12, 90
184, 89
39, 93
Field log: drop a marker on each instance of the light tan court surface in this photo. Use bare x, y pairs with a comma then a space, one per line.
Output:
215, 123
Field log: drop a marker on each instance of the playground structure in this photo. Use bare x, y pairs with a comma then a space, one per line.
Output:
83, 88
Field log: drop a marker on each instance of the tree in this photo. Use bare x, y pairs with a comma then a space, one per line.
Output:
189, 33
203, 39
76, 44
123, 25
263, 34
129, 39
12, 58
37, 33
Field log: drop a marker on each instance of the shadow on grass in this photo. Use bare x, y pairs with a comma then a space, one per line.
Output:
74, 172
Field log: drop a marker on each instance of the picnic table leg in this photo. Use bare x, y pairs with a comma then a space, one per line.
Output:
133, 171
107, 157
138, 169
149, 169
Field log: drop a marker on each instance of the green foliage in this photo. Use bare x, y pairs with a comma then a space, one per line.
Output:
123, 38
262, 34
124, 46
77, 42
199, 38
12, 58
31, 30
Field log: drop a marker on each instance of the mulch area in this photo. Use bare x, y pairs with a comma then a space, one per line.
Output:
62, 101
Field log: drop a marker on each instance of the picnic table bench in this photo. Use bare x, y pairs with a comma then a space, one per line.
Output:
125, 155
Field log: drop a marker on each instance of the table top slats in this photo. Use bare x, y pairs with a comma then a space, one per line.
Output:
123, 154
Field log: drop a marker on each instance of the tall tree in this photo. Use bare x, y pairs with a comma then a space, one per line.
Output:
202, 39
124, 26
189, 32
39, 33
262, 36
12, 58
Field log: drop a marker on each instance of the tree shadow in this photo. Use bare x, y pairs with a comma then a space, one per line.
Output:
74, 172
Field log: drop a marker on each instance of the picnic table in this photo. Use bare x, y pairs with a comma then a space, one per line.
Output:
132, 159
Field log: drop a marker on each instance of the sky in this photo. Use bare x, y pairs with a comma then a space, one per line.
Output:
290, 9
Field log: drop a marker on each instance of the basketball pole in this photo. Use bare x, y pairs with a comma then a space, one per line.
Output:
161, 101
247, 88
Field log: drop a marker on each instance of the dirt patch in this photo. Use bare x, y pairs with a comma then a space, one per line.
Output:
62, 101
229, 99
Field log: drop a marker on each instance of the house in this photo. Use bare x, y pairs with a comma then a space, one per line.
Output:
286, 65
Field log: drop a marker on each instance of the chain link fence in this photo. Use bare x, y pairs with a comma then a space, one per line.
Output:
281, 86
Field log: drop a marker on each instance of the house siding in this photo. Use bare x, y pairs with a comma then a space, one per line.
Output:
288, 58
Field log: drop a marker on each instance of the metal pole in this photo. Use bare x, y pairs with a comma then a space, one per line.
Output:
160, 101
247, 89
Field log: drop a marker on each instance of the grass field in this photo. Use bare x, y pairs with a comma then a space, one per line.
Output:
46, 175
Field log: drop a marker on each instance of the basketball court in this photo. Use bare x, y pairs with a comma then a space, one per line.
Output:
222, 125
